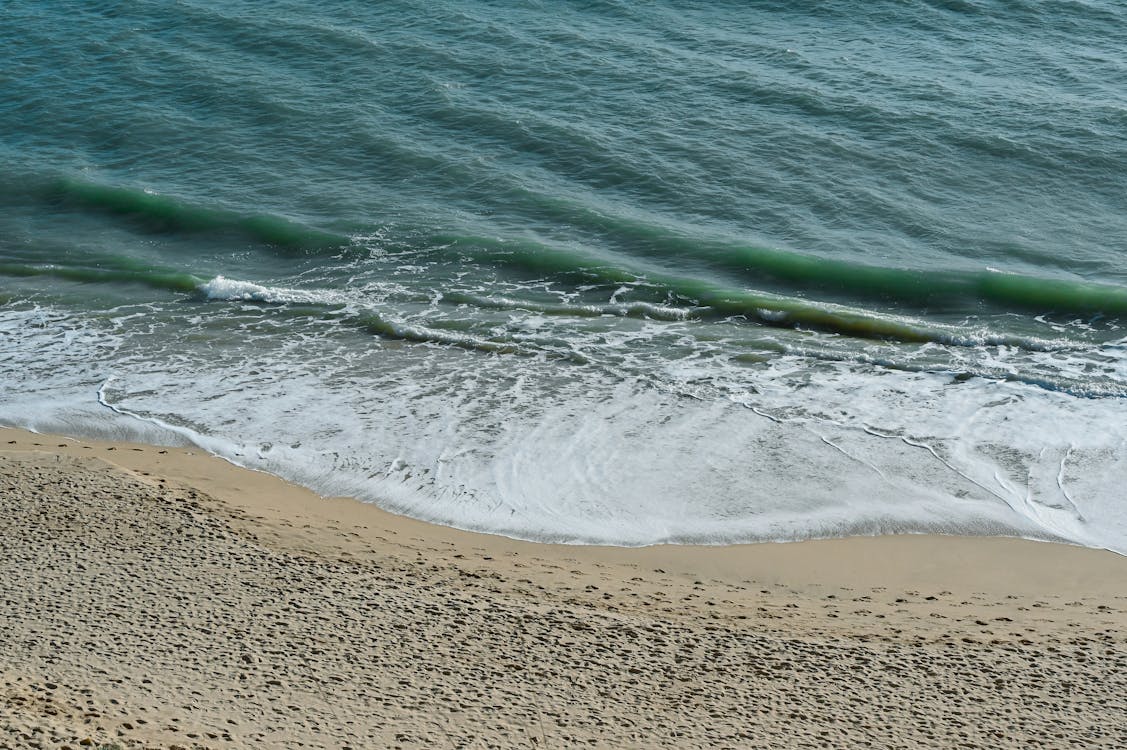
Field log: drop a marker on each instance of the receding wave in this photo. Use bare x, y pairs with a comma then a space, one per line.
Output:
623, 310
710, 302
395, 329
387, 326
690, 299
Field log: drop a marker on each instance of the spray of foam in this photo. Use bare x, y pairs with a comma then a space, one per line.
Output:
222, 288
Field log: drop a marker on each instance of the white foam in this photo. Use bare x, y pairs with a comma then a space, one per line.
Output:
635, 448
221, 288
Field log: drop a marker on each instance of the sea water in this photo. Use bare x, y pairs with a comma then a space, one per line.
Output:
608, 271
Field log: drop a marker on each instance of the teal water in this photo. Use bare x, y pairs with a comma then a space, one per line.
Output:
596, 271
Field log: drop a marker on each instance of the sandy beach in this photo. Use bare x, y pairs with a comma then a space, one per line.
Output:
162, 598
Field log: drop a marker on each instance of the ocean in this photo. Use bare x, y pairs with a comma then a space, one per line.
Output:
593, 272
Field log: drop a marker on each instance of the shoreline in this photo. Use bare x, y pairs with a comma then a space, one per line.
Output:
165, 598
992, 563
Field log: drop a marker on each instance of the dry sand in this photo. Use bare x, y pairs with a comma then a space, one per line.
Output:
162, 598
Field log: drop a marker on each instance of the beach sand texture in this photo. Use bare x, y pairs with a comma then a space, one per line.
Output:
160, 598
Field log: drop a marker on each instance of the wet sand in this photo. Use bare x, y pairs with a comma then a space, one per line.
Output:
160, 598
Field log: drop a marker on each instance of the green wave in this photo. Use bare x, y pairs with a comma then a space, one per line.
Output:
793, 273
788, 273
930, 288
173, 281
164, 213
